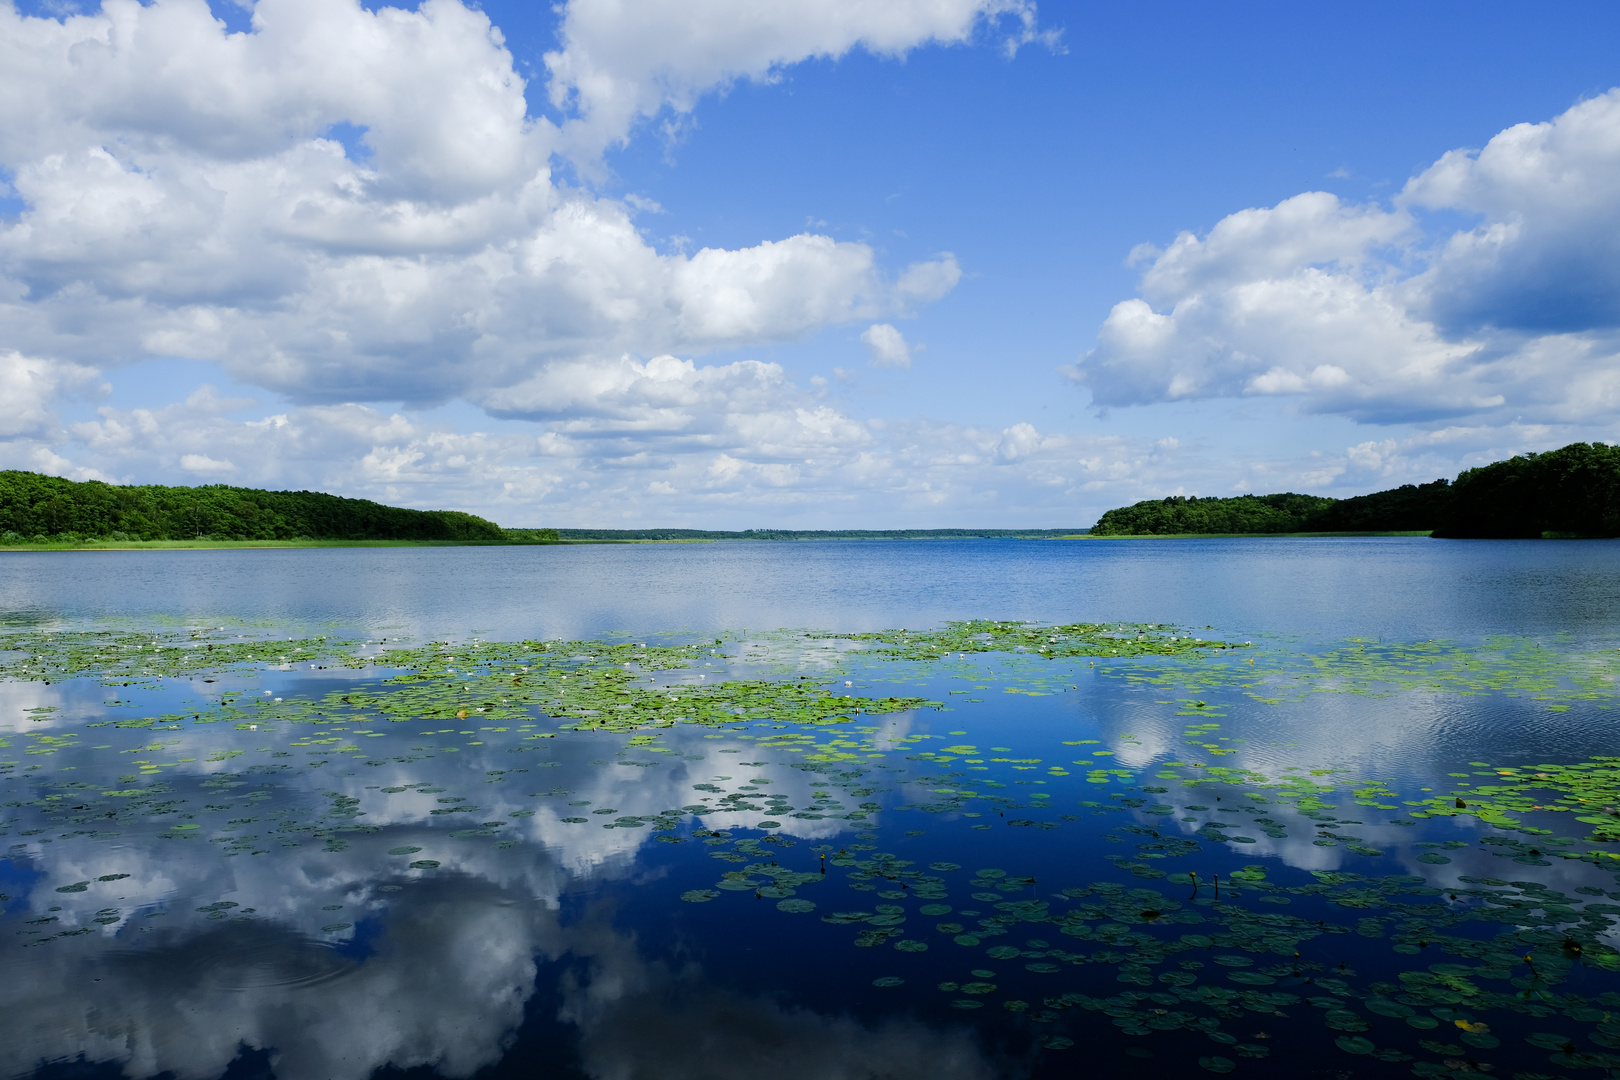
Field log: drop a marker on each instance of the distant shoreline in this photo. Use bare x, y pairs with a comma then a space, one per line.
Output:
228, 545
1250, 536
566, 541
204, 545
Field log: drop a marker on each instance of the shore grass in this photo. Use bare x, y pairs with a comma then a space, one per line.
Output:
217, 545
1239, 536
201, 545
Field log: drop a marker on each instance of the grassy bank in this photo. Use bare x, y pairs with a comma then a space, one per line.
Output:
210, 545
1242, 536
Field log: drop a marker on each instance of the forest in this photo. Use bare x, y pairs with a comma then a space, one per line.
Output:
47, 509
1570, 492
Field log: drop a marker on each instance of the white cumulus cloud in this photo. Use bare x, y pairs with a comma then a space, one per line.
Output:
626, 61
886, 345
185, 194
1357, 310
31, 389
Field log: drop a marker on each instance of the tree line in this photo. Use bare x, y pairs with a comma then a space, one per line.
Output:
38, 508
1569, 492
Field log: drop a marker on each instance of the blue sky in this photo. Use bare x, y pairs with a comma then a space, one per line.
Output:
935, 263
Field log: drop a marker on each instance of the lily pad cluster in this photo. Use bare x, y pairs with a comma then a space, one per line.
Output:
1051, 642
1184, 932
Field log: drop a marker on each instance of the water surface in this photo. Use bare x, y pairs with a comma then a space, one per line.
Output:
704, 843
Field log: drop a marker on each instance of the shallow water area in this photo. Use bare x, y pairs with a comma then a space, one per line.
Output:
1197, 841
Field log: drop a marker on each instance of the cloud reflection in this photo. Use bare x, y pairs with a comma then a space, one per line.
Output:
438, 978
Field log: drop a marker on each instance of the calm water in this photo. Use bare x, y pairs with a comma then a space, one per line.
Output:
302, 870
1320, 588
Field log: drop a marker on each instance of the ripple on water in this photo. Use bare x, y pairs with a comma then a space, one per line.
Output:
251, 965
252, 960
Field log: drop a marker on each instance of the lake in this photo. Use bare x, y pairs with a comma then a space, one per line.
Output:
972, 808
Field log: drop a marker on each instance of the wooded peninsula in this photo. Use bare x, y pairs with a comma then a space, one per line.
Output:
38, 509
1569, 492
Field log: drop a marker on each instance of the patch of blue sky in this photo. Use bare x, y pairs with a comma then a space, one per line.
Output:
352, 137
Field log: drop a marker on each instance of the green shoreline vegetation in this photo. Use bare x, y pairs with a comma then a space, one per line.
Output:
48, 511
1573, 492
39, 512
1569, 493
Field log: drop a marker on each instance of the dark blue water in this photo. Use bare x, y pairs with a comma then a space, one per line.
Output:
199, 897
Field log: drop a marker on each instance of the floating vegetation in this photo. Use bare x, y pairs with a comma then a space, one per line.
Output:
137, 658
1186, 889
1051, 642
1500, 664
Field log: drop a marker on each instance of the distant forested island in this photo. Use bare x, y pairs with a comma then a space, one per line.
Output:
46, 509
1570, 492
